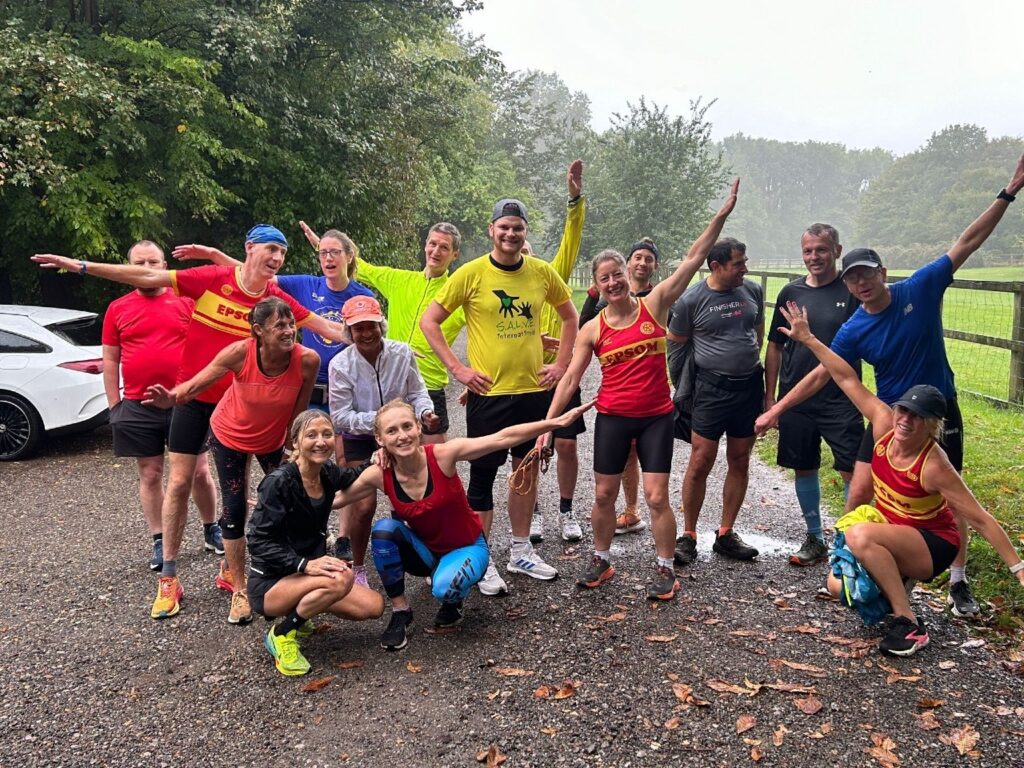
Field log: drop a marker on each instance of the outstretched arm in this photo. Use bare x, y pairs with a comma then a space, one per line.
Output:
983, 226
368, 483
128, 274
671, 288
196, 252
231, 358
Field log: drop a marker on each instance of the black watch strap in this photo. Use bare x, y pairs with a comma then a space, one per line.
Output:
1004, 195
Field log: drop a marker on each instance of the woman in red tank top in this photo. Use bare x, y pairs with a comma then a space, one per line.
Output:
432, 532
273, 378
633, 402
915, 489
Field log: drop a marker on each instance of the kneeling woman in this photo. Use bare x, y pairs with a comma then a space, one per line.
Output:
433, 532
291, 575
916, 490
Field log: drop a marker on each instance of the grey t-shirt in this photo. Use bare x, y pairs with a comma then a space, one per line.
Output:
723, 326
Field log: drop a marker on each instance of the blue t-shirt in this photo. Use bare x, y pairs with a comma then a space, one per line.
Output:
312, 293
904, 341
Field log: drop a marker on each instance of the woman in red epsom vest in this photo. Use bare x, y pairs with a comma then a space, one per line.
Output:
916, 490
432, 531
273, 377
633, 402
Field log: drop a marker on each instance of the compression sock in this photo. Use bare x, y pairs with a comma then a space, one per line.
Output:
564, 505
288, 623
664, 562
808, 494
846, 490
170, 568
957, 573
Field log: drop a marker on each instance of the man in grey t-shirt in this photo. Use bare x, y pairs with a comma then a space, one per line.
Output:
724, 318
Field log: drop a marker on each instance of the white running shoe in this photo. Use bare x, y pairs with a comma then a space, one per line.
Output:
537, 527
532, 565
571, 530
492, 583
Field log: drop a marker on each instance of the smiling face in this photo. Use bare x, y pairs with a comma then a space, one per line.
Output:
397, 430
265, 258
277, 332
438, 253
911, 430
334, 257
730, 275
315, 443
611, 280
820, 255
508, 234
367, 337
641, 266
867, 284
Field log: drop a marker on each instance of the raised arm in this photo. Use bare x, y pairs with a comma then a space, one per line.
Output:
983, 226
127, 274
430, 324
671, 288
231, 358
196, 252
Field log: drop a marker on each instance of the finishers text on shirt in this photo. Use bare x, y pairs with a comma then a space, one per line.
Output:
723, 326
634, 381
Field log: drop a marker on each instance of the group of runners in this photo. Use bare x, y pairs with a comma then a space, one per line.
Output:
360, 405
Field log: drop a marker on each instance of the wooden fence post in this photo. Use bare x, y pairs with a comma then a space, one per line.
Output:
1016, 387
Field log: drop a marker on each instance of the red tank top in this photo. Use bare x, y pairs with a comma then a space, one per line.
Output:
442, 518
254, 414
900, 497
634, 372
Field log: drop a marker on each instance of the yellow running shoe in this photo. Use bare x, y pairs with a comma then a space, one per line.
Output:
285, 649
224, 580
241, 612
305, 629
168, 595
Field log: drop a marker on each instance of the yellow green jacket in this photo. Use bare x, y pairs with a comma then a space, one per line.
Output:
564, 263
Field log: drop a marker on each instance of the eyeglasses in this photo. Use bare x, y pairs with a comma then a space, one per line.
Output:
334, 253
863, 273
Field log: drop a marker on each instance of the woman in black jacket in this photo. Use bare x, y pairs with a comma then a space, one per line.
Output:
290, 574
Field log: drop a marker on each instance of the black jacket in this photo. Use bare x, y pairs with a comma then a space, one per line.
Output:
286, 530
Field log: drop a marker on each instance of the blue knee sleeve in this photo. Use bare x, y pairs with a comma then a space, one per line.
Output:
808, 494
481, 488
459, 570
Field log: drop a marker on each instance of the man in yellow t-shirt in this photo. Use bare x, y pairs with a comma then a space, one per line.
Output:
502, 295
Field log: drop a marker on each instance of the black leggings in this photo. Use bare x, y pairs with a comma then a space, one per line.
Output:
231, 475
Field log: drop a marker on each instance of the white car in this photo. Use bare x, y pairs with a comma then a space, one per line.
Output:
51, 376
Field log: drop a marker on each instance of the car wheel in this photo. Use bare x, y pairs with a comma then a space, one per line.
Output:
20, 428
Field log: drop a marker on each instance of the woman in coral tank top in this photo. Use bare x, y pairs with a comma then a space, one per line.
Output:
633, 403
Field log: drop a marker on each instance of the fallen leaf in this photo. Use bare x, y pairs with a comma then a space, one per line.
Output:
756, 753
810, 669
712, 622
779, 734
769, 502
803, 629
745, 722
512, 672
883, 750
492, 695
684, 693
354, 664
782, 604
491, 756
743, 633
809, 706
930, 703
672, 723
568, 689
672, 676
315, 685
414, 668
778, 685
543, 692
723, 687
926, 721
660, 638
947, 665
549, 730
752, 742
976, 643
613, 617
964, 739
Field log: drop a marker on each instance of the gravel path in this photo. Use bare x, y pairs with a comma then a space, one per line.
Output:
89, 679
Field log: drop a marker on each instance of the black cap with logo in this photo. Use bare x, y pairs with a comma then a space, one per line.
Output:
924, 400
508, 207
861, 257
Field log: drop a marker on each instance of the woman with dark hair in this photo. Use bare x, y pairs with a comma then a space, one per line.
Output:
291, 574
916, 491
272, 382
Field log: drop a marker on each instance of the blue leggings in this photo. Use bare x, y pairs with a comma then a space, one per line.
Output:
397, 550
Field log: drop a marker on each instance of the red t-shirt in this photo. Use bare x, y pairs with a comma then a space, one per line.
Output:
443, 518
150, 330
634, 374
221, 316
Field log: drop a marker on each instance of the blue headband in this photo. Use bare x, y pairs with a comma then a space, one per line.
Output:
264, 233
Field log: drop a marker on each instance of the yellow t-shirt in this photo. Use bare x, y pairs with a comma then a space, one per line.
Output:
502, 311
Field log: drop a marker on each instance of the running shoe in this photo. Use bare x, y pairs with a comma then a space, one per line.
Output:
686, 550
213, 540
537, 527
813, 551
360, 577
448, 615
285, 649
571, 530
665, 584
157, 561
306, 629
491, 583
240, 612
905, 637
598, 572
731, 545
532, 564
343, 549
224, 580
168, 598
961, 600
395, 637
629, 522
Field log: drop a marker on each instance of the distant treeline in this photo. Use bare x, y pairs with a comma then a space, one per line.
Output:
190, 120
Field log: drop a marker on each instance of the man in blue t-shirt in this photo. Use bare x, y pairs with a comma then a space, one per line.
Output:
898, 330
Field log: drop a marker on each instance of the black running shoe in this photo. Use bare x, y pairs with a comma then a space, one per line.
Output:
905, 637
448, 615
343, 549
665, 584
731, 545
395, 637
961, 601
813, 551
686, 550
598, 572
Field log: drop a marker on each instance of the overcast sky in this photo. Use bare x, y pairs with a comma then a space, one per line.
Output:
864, 73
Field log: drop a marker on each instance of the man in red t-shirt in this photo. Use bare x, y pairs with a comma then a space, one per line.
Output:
223, 297
143, 338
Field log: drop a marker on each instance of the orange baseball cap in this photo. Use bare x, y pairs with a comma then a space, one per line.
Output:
359, 309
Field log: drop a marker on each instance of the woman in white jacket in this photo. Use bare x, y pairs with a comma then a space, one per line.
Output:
371, 371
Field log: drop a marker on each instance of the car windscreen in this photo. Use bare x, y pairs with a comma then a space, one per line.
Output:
86, 332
